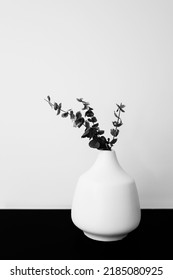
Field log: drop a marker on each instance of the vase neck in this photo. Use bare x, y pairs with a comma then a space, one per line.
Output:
106, 159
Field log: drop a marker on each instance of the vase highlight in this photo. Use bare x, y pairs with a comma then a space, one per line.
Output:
105, 203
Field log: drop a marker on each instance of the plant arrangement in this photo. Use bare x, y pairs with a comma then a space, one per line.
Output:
92, 131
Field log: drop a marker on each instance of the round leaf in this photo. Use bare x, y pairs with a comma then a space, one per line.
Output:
94, 144
78, 115
114, 132
89, 113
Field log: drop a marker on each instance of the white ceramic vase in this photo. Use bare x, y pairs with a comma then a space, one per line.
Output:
106, 204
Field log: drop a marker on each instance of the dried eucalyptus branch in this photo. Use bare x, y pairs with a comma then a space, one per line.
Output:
92, 130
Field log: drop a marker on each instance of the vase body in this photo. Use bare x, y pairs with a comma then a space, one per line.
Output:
105, 203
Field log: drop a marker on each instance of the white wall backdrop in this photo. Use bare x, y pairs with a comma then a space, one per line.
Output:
106, 51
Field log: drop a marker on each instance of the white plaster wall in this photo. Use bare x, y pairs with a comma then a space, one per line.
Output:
106, 51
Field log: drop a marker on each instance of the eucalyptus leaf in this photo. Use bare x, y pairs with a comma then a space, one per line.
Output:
103, 142
78, 115
86, 133
113, 141
95, 125
120, 107
79, 122
94, 144
117, 132
86, 103
85, 107
59, 109
100, 132
114, 132
80, 99
92, 132
117, 124
72, 115
65, 114
55, 106
89, 113
116, 115
103, 138
93, 119
87, 124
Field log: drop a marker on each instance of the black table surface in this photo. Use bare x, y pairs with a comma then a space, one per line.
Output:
51, 235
